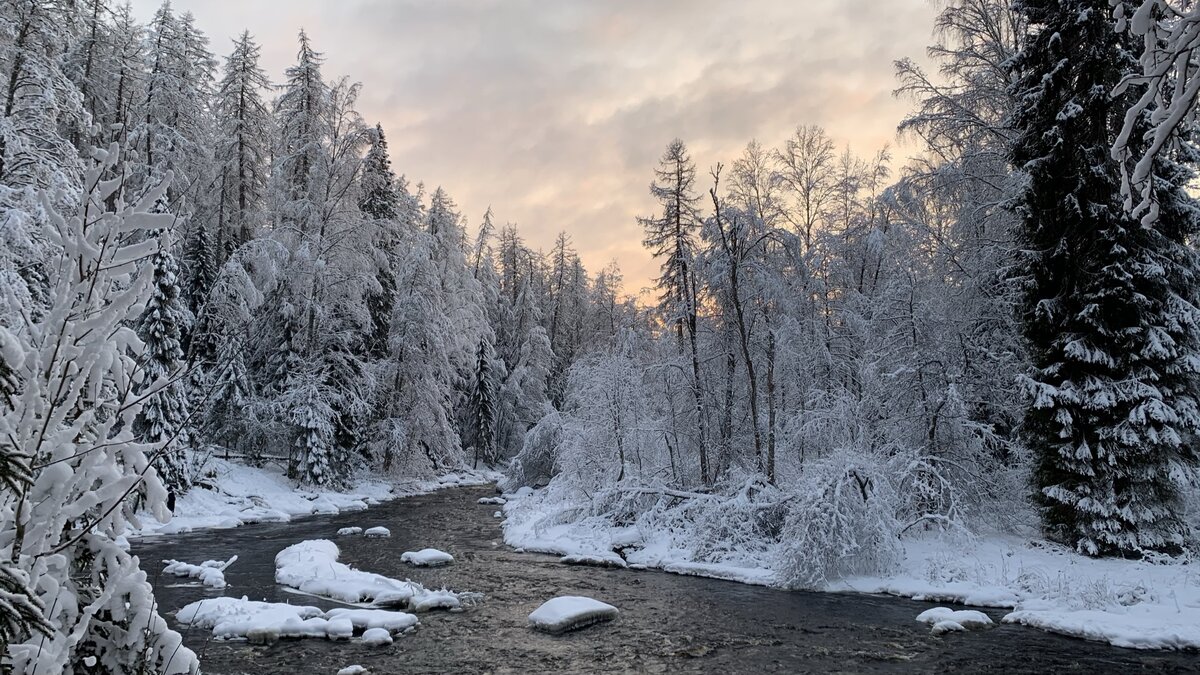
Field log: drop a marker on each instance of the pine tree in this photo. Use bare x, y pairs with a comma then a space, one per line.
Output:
1108, 310
379, 201
161, 328
243, 147
313, 419
377, 187
299, 112
671, 237
483, 407
201, 267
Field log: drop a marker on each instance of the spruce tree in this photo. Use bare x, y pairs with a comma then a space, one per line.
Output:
161, 328
378, 198
483, 406
201, 267
1107, 308
379, 201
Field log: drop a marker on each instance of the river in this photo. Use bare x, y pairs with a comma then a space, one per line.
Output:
668, 623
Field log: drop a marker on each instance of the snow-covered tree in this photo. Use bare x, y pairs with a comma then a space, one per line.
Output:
299, 113
161, 421
243, 147
671, 237
1109, 304
482, 408
74, 422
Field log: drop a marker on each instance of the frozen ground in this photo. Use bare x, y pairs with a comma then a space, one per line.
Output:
233, 494
1150, 604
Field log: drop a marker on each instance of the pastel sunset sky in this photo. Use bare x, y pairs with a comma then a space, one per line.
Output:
554, 112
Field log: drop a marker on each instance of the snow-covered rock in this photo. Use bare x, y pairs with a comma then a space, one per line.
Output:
376, 637
964, 618
211, 573
367, 619
269, 621
426, 557
570, 612
947, 626
594, 560
349, 531
356, 669
378, 531
497, 501
312, 567
498, 514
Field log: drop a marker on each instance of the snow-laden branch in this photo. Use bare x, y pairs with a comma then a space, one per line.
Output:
1169, 82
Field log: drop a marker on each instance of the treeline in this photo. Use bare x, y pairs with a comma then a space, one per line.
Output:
199, 259
849, 354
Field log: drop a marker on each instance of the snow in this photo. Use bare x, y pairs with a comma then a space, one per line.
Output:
944, 619
211, 573
374, 619
570, 612
1127, 603
947, 626
498, 501
529, 526
348, 531
376, 637
312, 567
232, 618
595, 560
378, 531
1146, 604
426, 557
498, 514
356, 669
230, 494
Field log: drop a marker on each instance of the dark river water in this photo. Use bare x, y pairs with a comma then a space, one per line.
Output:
668, 623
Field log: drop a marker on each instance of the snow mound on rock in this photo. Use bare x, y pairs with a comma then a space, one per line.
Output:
312, 567
261, 622
498, 501
570, 612
356, 669
426, 557
945, 620
598, 559
348, 531
376, 637
379, 531
943, 627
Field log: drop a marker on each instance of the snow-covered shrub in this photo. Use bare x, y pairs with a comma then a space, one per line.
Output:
739, 523
76, 376
534, 465
840, 523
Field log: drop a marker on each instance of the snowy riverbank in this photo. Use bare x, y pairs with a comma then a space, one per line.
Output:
234, 494
1126, 603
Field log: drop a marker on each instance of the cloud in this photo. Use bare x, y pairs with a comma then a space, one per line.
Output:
555, 113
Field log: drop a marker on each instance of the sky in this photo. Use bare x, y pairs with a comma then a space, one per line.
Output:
554, 112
